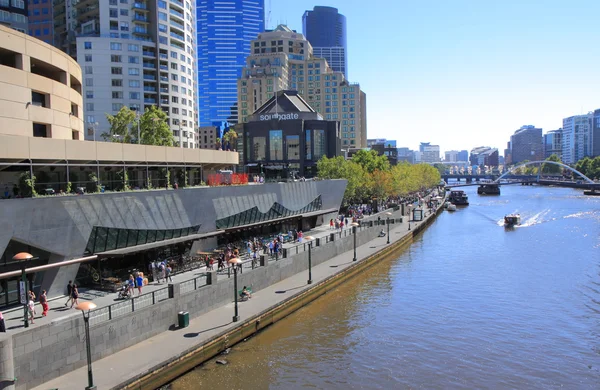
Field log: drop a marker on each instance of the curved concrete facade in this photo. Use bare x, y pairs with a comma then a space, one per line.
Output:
40, 89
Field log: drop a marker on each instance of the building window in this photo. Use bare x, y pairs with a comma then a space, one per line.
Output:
89, 106
87, 45
117, 82
115, 70
134, 71
320, 144
260, 146
308, 146
134, 83
116, 106
134, 95
115, 46
115, 58
117, 95
134, 60
293, 147
88, 58
276, 145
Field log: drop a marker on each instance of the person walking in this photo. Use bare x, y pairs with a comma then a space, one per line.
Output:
331, 224
168, 271
31, 309
75, 295
140, 282
44, 302
2, 323
69, 293
131, 284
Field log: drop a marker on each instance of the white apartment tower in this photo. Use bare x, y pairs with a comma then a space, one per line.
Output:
283, 60
134, 53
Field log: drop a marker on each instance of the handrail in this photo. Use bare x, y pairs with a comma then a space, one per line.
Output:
31, 270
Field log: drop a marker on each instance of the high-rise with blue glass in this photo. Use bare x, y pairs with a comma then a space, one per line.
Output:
325, 29
225, 29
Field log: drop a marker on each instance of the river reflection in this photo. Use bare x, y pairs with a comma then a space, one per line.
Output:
468, 305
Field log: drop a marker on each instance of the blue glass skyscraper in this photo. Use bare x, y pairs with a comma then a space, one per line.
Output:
325, 29
225, 29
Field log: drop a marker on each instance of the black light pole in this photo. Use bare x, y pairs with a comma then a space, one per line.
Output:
24, 256
234, 263
354, 225
86, 307
387, 220
309, 239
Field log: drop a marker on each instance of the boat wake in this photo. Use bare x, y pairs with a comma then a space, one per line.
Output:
536, 219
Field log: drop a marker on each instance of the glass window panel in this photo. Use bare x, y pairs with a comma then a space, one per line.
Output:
276, 145
111, 239
185, 231
151, 236
100, 240
308, 146
176, 233
260, 145
91, 241
160, 235
122, 240
293, 147
133, 237
142, 236
168, 234
320, 144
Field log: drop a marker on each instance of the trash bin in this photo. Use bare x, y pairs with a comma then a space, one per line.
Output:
184, 319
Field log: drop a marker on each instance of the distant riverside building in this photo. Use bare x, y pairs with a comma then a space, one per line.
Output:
553, 143
508, 154
596, 134
405, 155
13, 14
577, 138
41, 20
325, 29
429, 153
463, 155
288, 63
484, 156
381, 141
451, 156
526, 145
224, 31
133, 53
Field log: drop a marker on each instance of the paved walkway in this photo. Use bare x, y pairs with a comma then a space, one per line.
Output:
136, 360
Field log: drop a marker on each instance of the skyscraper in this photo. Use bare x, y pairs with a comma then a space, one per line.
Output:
41, 23
526, 145
133, 53
325, 29
14, 14
225, 29
577, 138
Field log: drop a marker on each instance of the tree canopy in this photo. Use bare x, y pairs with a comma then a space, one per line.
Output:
120, 124
154, 129
589, 167
552, 168
371, 161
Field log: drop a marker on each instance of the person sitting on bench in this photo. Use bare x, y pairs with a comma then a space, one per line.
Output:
246, 293
381, 233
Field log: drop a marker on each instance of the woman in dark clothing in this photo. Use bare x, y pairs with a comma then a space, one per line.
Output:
75, 295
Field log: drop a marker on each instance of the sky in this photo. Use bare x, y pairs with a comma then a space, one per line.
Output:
465, 73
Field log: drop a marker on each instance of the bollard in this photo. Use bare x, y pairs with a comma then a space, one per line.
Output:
263, 260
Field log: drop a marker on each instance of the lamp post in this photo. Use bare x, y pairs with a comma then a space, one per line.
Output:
139, 119
86, 307
94, 125
23, 257
387, 220
309, 239
354, 226
234, 263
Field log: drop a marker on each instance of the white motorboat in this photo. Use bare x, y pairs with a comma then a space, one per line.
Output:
451, 207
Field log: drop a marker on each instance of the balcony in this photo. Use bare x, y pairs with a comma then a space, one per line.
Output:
177, 25
149, 65
140, 6
149, 100
164, 78
149, 89
149, 54
176, 13
163, 56
149, 77
164, 90
177, 2
164, 102
83, 3
164, 67
140, 18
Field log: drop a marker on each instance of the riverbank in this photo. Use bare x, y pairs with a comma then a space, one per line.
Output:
139, 366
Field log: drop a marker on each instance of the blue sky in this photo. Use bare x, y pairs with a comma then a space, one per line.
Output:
466, 73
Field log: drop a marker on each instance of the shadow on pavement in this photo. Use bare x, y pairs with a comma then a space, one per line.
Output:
196, 334
289, 289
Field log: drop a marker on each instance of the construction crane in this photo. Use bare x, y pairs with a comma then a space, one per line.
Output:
268, 18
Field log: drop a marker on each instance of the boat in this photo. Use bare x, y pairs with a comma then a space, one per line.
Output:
512, 220
451, 207
591, 192
458, 198
488, 189
446, 204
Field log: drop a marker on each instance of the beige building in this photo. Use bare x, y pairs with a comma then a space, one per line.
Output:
283, 60
41, 131
40, 89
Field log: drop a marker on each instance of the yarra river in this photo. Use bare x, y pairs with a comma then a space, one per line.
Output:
469, 305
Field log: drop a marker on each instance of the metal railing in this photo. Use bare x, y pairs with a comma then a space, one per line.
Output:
122, 308
193, 284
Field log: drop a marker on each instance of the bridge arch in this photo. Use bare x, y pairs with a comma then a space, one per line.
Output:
587, 179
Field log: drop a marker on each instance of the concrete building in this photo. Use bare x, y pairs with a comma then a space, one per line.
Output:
286, 137
207, 137
224, 31
41, 20
526, 145
390, 143
325, 29
405, 155
508, 154
429, 153
283, 60
553, 143
451, 156
13, 13
577, 138
134, 53
484, 156
596, 134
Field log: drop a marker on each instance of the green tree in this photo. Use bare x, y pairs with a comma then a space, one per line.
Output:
120, 124
231, 138
552, 168
371, 161
154, 129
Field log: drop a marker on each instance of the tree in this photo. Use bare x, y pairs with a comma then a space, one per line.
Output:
154, 129
371, 161
230, 139
552, 168
120, 124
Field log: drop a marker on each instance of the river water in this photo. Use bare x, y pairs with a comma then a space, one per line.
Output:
469, 305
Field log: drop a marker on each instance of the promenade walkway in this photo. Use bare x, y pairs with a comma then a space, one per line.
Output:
140, 359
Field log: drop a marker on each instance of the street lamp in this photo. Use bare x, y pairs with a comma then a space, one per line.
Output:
309, 239
23, 256
234, 263
354, 226
86, 307
387, 220
94, 125
139, 119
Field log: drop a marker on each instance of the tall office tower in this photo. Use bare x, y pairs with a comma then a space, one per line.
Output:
526, 145
577, 138
41, 21
134, 53
553, 143
283, 60
596, 134
325, 29
429, 153
225, 29
13, 13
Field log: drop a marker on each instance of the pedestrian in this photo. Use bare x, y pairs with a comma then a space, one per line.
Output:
69, 293
168, 271
2, 324
140, 283
31, 295
130, 284
44, 302
331, 224
75, 295
154, 271
31, 309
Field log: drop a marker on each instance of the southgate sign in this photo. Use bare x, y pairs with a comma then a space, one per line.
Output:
280, 117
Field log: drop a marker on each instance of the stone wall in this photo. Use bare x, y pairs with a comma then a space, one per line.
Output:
45, 352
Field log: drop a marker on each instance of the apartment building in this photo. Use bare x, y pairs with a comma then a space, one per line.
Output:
577, 138
13, 14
